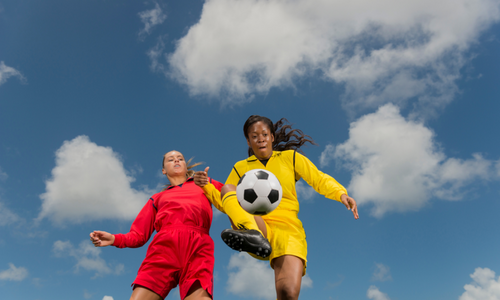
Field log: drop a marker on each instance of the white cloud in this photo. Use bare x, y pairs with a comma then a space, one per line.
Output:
89, 183
397, 166
382, 273
327, 155
304, 191
455, 173
306, 282
250, 273
7, 217
374, 293
151, 18
155, 54
6, 72
107, 298
382, 51
14, 273
87, 258
483, 287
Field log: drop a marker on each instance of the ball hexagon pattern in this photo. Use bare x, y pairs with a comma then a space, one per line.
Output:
259, 192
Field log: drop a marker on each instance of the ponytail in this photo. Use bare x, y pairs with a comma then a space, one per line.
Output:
286, 138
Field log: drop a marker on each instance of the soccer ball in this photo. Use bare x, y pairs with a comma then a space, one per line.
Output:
259, 192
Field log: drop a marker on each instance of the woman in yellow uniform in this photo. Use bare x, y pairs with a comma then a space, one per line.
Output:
278, 236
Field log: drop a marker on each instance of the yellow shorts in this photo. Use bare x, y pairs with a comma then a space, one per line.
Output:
286, 236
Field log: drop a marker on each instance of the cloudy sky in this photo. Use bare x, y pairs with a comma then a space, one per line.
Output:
400, 96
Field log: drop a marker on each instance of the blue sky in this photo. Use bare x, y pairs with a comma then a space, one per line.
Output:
402, 99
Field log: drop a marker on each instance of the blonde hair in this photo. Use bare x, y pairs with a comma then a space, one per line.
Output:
190, 167
190, 172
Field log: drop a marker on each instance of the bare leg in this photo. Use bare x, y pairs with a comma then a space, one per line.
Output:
260, 222
288, 276
196, 292
142, 293
262, 225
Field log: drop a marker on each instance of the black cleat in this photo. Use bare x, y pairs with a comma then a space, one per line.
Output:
247, 240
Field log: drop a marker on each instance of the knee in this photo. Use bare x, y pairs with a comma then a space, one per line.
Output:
288, 291
226, 189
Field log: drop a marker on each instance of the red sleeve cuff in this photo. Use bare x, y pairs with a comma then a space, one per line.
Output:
118, 240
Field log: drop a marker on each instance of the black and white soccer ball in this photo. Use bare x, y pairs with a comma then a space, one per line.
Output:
259, 192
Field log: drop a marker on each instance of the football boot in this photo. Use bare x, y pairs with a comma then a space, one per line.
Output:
248, 240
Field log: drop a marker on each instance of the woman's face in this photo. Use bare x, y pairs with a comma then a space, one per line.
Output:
174, 164
260, 140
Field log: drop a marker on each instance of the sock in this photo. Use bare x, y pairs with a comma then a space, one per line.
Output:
238, 215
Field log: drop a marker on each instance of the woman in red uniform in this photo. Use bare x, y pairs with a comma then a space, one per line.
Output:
182, 252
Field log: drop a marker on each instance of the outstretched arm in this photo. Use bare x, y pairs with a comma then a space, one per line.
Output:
351, 205
139, 234
102, 238
324, 183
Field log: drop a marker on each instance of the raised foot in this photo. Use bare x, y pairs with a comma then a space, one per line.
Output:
247, 240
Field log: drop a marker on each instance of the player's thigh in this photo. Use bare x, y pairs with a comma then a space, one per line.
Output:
196, 292
262, 225
288, 272
141, 293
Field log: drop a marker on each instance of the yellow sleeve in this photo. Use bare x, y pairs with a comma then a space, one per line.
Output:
213, 195
321, 182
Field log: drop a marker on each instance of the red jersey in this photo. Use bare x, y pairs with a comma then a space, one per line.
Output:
182, 252
181, 205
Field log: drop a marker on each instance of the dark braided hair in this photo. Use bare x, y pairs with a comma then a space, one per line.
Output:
285, 138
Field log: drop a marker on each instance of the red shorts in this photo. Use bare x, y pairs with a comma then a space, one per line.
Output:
178, 256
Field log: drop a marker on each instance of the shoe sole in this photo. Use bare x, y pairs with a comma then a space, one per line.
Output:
240, 242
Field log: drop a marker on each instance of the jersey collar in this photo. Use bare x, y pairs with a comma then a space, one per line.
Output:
180, 185
254, 158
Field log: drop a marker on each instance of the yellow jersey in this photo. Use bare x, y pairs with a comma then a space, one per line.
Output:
289, 166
